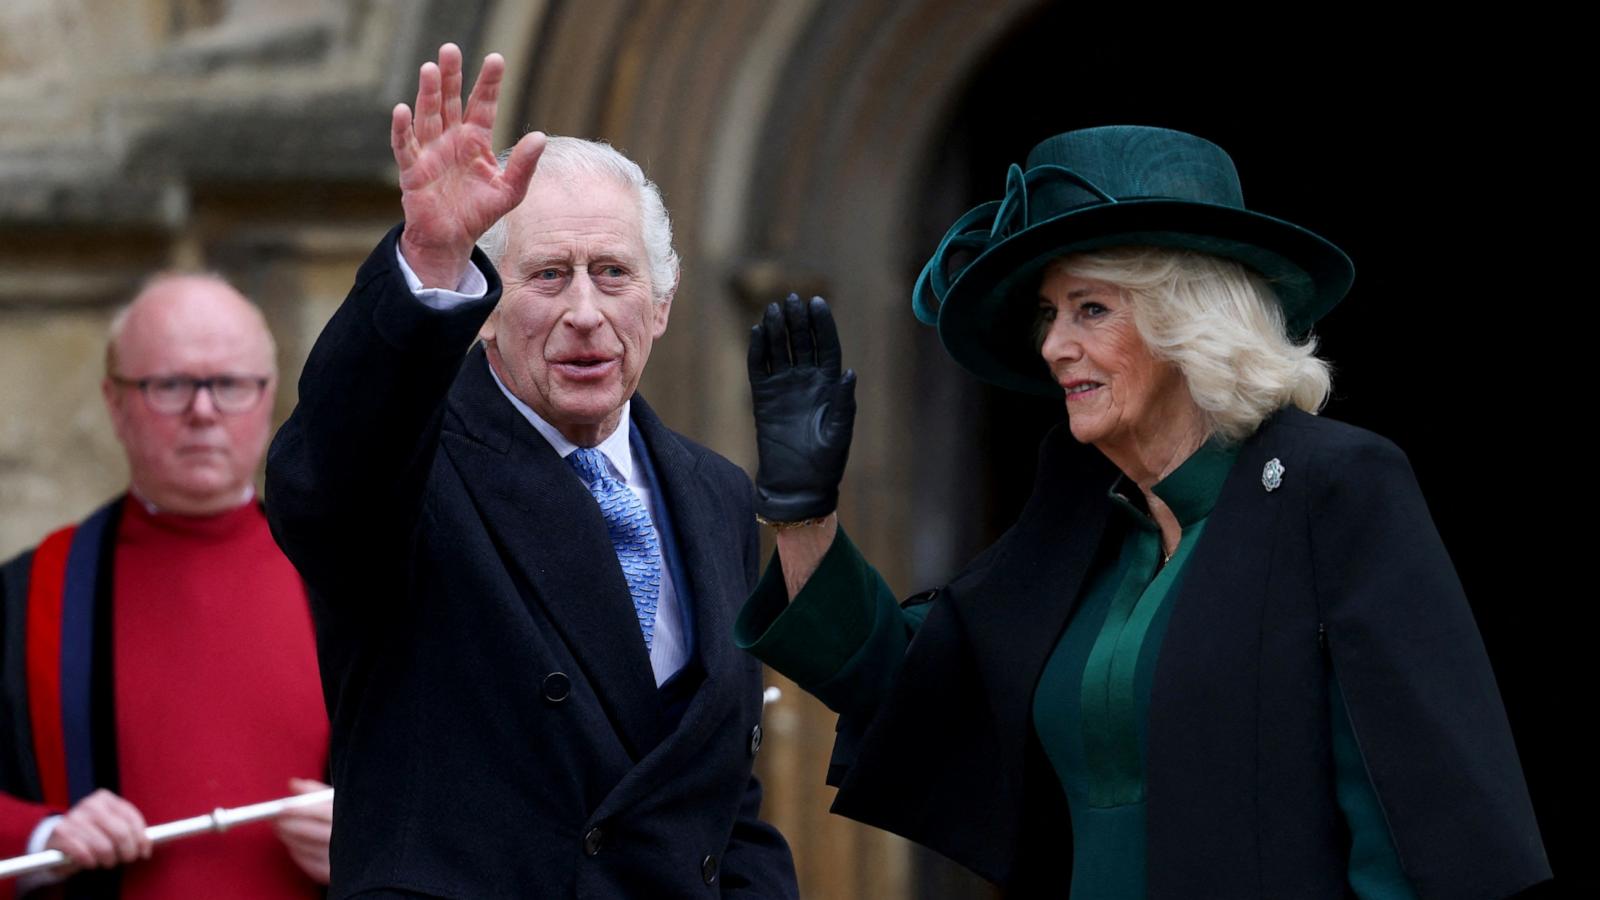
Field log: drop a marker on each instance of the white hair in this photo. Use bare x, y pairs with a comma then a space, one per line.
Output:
1222, 325
570, 157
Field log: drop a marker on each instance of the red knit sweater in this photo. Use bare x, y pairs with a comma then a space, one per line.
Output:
218, 701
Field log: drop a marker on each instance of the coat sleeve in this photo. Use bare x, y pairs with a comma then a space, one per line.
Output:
842, 639
18, 819
345, 474
1415, 680
845, 640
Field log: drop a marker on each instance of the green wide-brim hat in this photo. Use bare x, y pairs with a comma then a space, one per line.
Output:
1114, 186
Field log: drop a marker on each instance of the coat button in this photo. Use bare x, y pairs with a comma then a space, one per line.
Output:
708, 869
593, 841
755, 740
556, 687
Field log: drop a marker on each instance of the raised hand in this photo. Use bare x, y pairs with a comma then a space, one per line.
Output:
451, 186
100, 831
805, 410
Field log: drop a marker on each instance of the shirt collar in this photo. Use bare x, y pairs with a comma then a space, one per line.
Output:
1190, 491
614, 447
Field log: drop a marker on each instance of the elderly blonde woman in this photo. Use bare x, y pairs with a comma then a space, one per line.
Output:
1223, 652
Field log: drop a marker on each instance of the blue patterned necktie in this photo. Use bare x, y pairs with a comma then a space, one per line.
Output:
633, 535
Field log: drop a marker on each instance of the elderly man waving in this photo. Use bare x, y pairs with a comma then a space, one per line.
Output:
524, 582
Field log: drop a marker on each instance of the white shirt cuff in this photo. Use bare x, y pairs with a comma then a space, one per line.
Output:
41, 833
36, 841
472, 286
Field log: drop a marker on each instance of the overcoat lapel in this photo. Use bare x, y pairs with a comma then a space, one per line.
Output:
1205, 696
549, 530
700, 530
1019, 604
983, 646
712, 562
714, 568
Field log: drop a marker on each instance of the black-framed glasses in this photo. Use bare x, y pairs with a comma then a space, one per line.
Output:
172, 394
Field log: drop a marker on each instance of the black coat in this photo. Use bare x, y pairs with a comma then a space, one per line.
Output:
497, 730
1339, 566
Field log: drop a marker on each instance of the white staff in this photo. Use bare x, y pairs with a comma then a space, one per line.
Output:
217, 820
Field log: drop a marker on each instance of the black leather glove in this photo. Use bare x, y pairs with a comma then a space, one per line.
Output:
805, 410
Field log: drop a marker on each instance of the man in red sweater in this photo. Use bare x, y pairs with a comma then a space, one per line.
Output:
157, 660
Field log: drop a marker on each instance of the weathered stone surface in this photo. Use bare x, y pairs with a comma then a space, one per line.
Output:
115, 112
58, 456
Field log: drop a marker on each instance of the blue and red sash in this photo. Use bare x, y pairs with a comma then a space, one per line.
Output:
62, 591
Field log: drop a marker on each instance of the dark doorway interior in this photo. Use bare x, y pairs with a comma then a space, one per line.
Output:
1435, 164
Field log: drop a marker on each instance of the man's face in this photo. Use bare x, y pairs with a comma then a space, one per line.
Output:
575, 324
198, 461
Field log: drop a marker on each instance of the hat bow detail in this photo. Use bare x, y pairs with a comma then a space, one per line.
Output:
1004, 218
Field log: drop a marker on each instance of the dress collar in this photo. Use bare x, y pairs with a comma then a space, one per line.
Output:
1190, 491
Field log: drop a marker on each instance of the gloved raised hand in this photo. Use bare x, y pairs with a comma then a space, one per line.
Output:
805, 410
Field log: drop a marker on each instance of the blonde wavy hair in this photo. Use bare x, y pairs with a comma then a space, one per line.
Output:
1221, 324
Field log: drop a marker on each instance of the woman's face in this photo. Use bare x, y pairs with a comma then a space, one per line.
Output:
1119, 396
